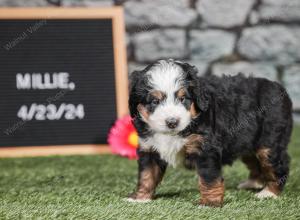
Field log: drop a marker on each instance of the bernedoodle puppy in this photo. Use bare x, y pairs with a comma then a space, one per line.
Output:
205, 123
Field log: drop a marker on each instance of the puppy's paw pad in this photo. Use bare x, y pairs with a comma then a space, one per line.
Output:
137, 200
265, 193
203, 207
250, 184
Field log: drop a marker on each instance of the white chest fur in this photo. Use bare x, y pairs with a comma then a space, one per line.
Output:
167, 146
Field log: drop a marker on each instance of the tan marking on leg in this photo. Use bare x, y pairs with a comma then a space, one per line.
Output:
193, 145
262, 155
266, 168
268, 173
148, 181
212, 194
143, 111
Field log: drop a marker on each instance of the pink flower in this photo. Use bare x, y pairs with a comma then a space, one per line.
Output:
123, 138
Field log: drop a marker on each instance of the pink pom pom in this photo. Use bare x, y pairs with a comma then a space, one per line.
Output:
123, 139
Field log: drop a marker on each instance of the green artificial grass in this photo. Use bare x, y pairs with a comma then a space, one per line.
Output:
93, 187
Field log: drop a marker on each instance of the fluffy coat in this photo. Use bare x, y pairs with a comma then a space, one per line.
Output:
218, 119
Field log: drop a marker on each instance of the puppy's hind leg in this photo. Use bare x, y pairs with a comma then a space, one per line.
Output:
275, 171
255, 180
275, 135
272, 153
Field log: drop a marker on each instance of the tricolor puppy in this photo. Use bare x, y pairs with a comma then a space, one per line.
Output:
205, 123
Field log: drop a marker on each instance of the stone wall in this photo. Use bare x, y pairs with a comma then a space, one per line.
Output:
257, 37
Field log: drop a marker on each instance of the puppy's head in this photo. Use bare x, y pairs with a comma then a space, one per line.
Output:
163, 96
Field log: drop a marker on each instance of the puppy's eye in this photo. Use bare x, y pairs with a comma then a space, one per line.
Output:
155, 102
182, 99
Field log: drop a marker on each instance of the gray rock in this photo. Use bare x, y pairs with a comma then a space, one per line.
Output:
265, 70
21, 3
254, 18
201, 66
159, 44
275, 43
211, 45
280, 10
296, 118
279, 2
159, 12
291, 80
128, 46
87, 3
220, 13
132, 66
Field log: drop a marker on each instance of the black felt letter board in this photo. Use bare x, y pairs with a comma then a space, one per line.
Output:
57, 82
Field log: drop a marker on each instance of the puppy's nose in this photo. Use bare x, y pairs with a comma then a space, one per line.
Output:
172, 122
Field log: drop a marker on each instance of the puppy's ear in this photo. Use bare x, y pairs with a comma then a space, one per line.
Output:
134, 79
187, 68
138, 89
201, 95
197, 86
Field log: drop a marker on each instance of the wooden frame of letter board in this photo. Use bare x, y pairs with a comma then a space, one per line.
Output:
121, 83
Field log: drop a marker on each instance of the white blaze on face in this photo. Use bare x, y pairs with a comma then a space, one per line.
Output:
168, 78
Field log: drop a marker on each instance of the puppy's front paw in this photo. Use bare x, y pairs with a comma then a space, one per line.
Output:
138, 200
134, 197
266, 193
211, 203
251, 184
